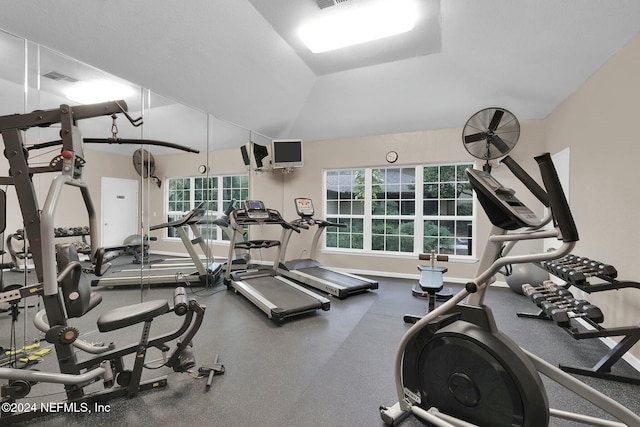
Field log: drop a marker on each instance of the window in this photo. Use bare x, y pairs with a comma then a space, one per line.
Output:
401, 209
345, 204
393, 209
447, 210
184, 194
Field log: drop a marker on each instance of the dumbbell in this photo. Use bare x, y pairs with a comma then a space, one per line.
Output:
550, 295
550, 304
569, 260
546, 286
590, 311
563, 313
536, 293
563, 317
597, 267
572, 304
528, 289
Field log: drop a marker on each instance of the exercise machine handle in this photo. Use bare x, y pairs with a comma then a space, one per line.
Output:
180, 303
230, 208
526, 179
325, 224
292, 226
559, 207
300, 223
100, 267
435, 257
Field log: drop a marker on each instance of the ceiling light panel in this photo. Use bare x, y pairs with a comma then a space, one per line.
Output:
98, 91
357, 23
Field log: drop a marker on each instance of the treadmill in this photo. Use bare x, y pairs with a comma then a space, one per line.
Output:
275, 295
163, 273
311, 272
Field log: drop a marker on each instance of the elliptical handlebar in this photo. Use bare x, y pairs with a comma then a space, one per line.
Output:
557, 199
507, 213
526, 179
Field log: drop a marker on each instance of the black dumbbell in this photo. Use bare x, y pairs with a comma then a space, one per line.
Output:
555, 295
571, 304
590, 311
563, 316
556, 303
566, 303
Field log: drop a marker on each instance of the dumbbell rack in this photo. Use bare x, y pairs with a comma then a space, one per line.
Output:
24, 254
593, 276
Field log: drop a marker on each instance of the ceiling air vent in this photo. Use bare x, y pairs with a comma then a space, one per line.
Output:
54, 75
323, 4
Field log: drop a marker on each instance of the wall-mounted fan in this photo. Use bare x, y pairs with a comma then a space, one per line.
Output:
145, 165
490, 133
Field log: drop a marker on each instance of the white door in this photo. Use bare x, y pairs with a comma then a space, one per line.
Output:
119, 210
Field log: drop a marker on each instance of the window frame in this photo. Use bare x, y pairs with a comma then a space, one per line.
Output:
222, 196
417, 217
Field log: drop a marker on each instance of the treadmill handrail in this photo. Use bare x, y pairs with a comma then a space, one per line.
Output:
191, 217
322, 223
240, 217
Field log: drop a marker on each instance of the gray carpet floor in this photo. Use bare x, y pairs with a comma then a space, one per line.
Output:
330, 368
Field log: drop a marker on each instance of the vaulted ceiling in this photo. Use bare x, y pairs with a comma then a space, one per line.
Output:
241, 60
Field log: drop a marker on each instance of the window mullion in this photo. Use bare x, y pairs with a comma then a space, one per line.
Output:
221, 207
192, 200
418, 226
367, 209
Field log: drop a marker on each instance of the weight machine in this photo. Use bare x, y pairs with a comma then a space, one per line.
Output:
65, 291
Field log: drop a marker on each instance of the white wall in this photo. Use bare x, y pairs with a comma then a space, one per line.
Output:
599, 123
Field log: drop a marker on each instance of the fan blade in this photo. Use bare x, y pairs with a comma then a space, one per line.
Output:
498, 143
495, 121
475, 137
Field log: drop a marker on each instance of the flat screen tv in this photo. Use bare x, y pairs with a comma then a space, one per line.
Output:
286, 153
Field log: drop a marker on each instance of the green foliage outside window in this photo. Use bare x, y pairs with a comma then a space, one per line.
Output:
394, 199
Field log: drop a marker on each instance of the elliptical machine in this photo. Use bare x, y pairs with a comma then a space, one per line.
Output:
454, 367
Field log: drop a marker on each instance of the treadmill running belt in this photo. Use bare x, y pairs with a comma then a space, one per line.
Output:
335, 277
283, 296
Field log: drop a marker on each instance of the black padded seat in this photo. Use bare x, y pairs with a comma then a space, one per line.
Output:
131, 314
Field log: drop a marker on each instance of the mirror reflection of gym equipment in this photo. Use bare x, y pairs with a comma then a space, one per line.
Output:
66, 292
193, 269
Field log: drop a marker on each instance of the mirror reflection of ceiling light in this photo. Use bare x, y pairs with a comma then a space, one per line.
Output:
343, 26
98, 91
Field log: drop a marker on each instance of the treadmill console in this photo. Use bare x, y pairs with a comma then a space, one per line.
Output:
255, 209
500, 203
304, 207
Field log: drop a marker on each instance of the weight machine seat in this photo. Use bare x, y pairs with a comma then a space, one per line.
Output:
431, 278
121, 317
94, 300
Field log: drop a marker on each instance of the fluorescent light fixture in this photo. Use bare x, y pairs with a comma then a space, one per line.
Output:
348, 25
98, 91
